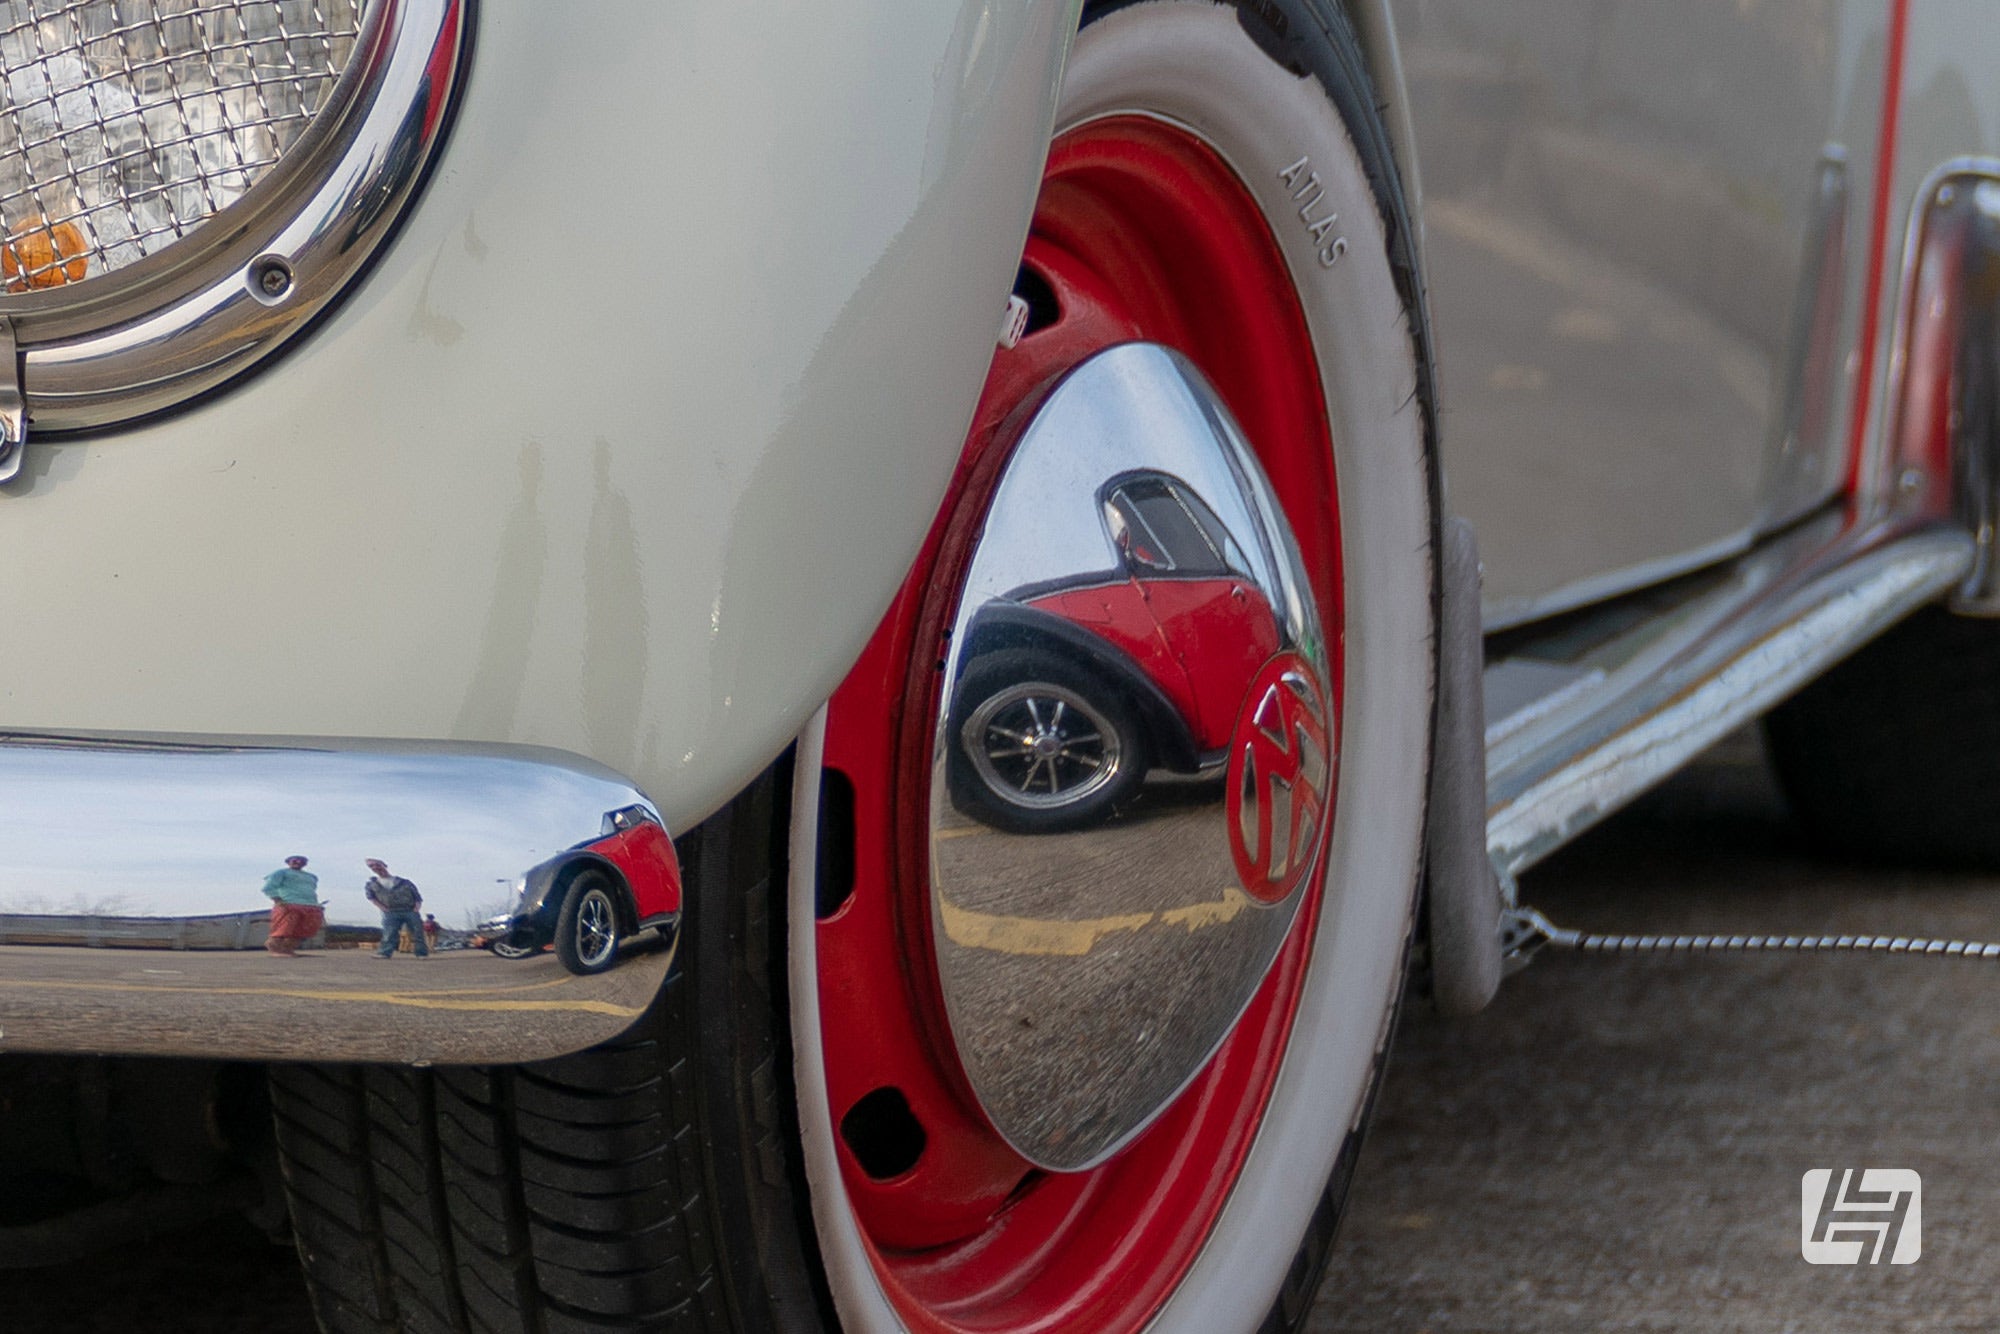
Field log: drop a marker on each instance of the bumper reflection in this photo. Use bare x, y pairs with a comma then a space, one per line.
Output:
631, 861
501, 857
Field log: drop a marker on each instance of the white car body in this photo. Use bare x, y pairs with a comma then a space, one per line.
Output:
622, 445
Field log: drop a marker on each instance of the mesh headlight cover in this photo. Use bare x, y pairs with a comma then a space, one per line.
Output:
126, 124
186, 185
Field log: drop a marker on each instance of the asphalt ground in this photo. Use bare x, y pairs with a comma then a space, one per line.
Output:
1617, 1144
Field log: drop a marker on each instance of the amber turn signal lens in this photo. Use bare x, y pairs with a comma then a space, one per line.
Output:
43, 254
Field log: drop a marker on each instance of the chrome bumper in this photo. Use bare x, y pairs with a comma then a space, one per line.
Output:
133, 919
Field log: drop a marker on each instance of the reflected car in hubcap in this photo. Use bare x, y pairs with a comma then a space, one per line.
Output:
1134, 627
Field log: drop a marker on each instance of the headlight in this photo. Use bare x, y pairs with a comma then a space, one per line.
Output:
184, 182
132, 122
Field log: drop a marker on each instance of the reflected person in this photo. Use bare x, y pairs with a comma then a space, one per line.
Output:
296, 916
398, 901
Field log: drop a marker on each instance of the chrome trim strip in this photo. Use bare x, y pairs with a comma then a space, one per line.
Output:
134, 916
1973, 411
129, 344
1938, 449
1795, 608
13, 408
1947, 417
1876, 489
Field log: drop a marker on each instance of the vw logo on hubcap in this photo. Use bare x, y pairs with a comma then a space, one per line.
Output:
1279, 760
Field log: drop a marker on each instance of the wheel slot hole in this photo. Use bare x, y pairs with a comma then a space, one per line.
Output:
836, 843
883, 1133
1043, 308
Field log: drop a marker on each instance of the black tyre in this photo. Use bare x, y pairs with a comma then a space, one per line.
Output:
645, 1185
1042, 746
590, 927
1895, 754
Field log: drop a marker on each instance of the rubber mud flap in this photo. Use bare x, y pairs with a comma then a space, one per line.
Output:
1464, 898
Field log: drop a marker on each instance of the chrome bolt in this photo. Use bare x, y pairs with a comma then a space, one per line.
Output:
271, 278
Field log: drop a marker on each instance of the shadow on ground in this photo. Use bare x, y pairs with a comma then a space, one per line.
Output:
225, 1279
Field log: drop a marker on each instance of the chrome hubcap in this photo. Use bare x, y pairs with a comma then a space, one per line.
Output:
1134, 564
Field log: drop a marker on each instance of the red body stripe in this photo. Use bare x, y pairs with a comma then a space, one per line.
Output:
1878, 239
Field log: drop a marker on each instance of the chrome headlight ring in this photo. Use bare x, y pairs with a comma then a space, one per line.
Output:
128, 343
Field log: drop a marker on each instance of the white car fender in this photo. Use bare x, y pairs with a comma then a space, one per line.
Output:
623, 444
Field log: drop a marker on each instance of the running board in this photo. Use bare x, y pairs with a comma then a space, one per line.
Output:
1586, 716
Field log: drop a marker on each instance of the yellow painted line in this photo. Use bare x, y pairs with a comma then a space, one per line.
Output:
1197, 915
1057, 937
434, 1002
43, 952
440, 991
487, 991
963, 831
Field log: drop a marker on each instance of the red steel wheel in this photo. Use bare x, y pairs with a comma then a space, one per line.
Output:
1236, 218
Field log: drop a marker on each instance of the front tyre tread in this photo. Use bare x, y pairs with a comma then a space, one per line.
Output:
437, 1200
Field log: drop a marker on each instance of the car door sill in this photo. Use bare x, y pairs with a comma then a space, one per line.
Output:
1587, 713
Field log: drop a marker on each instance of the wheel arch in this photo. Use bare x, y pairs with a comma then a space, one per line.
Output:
1375, 24
549, 883
1029, 628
